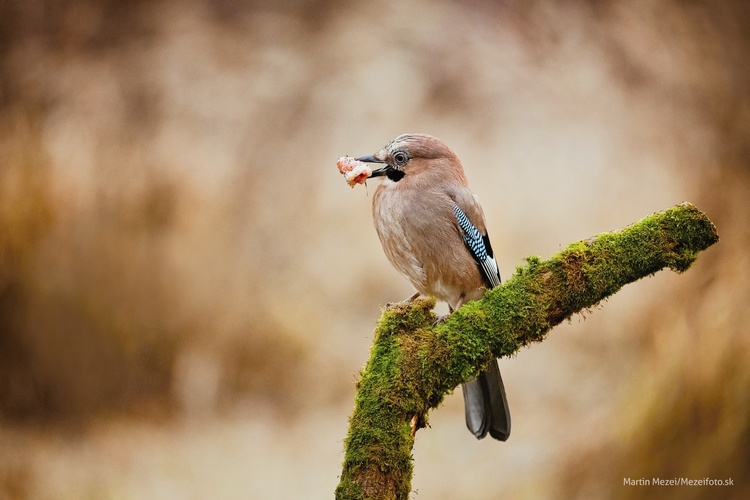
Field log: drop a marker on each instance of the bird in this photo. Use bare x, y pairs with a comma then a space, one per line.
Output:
432, 229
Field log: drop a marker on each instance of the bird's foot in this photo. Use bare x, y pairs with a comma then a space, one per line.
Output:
440, 319
405, 302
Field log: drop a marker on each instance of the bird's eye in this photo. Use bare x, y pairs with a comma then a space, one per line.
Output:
400, 158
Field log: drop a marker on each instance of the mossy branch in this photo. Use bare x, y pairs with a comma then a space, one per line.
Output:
413, 365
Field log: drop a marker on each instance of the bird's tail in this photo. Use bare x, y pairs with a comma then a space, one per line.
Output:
486, 405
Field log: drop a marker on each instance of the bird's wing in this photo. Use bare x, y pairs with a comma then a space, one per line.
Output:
476, 238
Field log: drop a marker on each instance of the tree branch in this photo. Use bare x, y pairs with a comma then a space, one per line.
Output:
413, 365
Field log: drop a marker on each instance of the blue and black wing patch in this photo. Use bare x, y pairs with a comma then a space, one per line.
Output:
480, 248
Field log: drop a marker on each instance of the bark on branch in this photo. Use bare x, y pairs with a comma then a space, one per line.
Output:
413, 365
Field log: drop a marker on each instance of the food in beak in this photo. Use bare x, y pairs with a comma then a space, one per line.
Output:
355, 172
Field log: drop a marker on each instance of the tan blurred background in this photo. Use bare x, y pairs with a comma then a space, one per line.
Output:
180, 313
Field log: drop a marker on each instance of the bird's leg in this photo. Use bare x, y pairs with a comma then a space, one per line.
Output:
404, 302
440, 319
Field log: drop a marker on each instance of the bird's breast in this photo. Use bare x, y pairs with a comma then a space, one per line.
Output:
397, 234
421, 239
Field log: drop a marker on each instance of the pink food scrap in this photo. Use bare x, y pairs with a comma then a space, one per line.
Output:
355, 172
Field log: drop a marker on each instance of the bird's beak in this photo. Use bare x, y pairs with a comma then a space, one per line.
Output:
370, 159
374, 159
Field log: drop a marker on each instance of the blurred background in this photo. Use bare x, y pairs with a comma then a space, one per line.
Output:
188, 287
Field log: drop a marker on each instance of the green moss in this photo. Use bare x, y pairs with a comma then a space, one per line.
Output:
380, 438
413, 365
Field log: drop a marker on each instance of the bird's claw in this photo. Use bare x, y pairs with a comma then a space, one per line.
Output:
440, 319
405, 302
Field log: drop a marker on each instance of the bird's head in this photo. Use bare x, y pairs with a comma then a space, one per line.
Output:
411, 154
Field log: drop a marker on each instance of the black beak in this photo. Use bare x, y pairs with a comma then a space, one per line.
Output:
369, 159
378, 172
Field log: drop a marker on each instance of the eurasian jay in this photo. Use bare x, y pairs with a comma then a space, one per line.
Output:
432, 230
